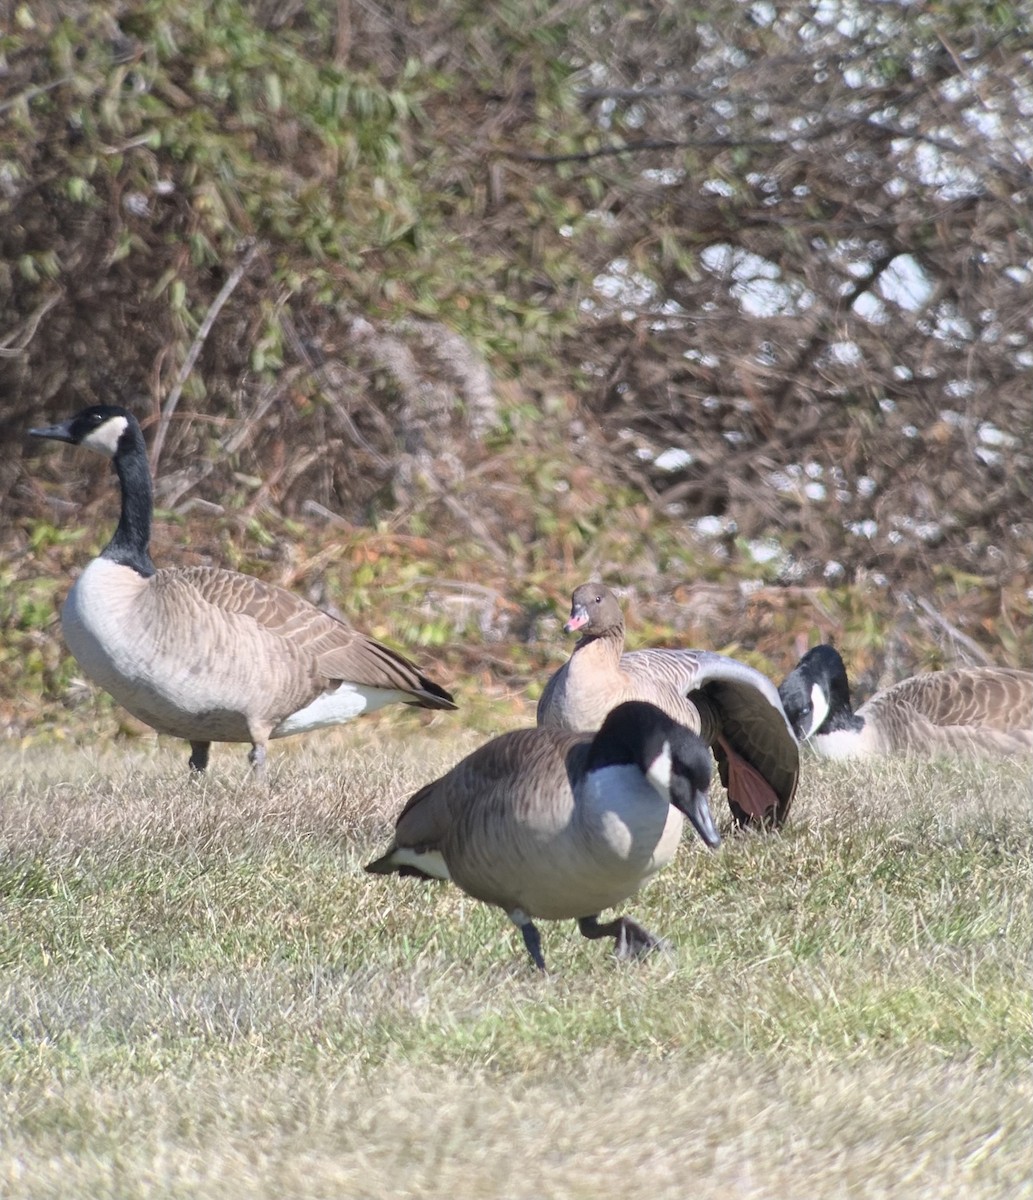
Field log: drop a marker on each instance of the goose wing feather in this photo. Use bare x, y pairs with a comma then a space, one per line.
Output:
331, 650
503, 821
523, 777
976, 707
737, 705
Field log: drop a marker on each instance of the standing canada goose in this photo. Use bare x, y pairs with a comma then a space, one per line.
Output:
735, 709
211, 655
557, 825
968, 710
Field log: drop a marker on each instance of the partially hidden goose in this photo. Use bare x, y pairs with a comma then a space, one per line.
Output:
735, 709
555, 825
967, 710
211, 655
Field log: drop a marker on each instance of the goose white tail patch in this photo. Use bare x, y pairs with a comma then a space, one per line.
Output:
334, 708
659, 773
104, 438
430, 862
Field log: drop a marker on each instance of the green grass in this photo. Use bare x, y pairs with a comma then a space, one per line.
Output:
202, 994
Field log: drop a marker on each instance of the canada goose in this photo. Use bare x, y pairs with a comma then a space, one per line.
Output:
555, 825
212, 655
968, 710
735, 709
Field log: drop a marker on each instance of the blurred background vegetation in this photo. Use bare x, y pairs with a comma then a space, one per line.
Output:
432, 311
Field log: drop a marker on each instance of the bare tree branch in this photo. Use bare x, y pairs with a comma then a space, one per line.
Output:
169, 407
27, 330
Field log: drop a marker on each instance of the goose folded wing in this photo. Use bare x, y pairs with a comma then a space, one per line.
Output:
998, 698
338, 652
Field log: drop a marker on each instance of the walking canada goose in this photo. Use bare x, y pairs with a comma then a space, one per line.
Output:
968, 710
211, 655
735, 709
555, 825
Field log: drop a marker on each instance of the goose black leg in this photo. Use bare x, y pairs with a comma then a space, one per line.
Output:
629, 938
199, 755
533, 942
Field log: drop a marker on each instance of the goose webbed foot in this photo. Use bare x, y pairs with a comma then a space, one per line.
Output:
752, 799
630, 939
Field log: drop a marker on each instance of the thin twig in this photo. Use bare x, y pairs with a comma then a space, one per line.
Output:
172, 400
343, 34
972, 647
30, 326
32, 92
322, 370
173, 489
834, 123
641, 93
636, 147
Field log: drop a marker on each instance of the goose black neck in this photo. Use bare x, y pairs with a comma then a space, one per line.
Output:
632, 734
129, 545
841, 719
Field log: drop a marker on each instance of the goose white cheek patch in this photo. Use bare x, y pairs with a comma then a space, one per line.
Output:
430, 862
819, 709
104, 439
659, 773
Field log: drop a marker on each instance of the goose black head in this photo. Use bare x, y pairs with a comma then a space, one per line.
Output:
673, 758
816, 694
100, 427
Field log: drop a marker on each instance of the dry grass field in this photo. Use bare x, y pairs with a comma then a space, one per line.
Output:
202, 994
